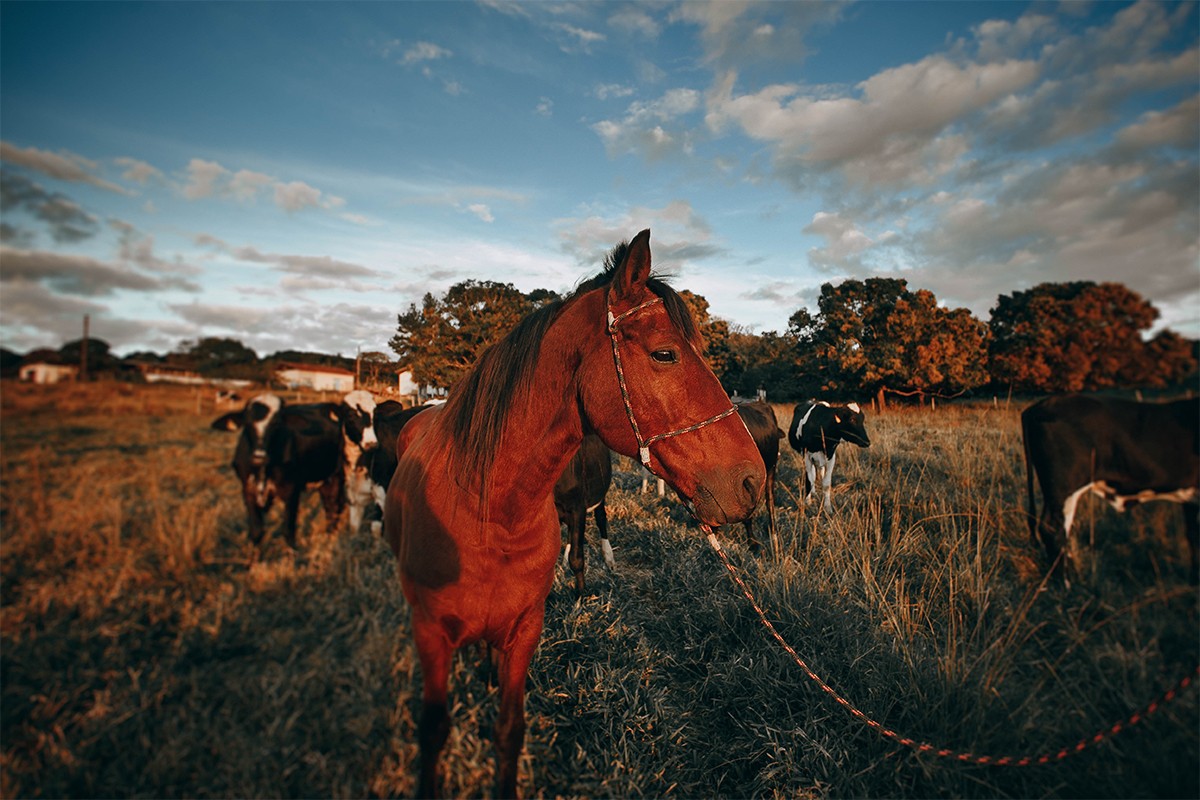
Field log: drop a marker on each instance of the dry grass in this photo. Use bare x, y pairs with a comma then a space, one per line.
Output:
146, 653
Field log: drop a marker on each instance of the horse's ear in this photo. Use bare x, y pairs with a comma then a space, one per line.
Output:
635, 269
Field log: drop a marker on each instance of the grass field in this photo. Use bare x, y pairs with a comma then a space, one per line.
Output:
146, 653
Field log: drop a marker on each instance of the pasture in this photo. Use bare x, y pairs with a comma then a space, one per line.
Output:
146, 652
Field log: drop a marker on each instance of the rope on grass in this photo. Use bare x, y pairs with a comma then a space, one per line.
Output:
925, 747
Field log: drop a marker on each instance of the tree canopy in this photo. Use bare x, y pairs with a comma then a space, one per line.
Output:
877, 336
442, 338
1079, 336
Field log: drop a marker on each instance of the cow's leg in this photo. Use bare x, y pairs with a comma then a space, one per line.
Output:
1053, 530
434, 725
576, 525
1191, 521
827, 483
254, 511
755, 547
510, 723
771, 507
601, 513
291, 510
333, 498
810, 477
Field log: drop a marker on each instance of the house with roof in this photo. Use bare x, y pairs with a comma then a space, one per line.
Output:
45, 371
317, 377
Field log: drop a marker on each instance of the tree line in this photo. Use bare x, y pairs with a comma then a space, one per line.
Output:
868, 338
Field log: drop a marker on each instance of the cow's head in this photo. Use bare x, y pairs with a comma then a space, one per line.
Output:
357, 413
254, 420
850, 423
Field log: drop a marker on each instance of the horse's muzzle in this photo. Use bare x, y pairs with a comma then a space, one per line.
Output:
729, 495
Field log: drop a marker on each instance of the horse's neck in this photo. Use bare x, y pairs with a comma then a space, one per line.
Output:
540, 438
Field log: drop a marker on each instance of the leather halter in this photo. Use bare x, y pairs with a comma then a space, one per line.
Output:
643, 443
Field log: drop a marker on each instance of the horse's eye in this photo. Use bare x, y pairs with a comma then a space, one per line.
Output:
664, 356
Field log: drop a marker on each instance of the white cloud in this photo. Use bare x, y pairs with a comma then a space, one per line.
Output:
634, 20
1176, 127
202, 178
246, 184
604, 91
482, 211
642, 128
64, 166
424, 51
296, 196
679, 234
138, 171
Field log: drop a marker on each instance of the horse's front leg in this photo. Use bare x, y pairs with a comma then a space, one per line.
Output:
433, 728
510, 725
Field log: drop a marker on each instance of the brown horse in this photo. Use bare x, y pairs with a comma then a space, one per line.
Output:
470, 513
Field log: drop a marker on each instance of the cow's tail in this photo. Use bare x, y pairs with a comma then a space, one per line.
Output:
1031, 503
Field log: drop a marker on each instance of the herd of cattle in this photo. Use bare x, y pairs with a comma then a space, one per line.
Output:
1124, 451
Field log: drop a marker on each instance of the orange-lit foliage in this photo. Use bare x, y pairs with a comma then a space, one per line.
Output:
1069, 337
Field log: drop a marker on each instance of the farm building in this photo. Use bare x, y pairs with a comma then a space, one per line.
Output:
46, 372
316, 377
413, 394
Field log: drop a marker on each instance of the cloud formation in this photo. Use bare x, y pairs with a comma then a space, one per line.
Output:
64, 166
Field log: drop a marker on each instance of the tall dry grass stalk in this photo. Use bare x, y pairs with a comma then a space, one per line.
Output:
148, 650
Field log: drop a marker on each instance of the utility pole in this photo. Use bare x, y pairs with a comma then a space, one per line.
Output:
358, 367
83, 349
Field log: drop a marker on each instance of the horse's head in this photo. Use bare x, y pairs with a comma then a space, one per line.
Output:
649, 394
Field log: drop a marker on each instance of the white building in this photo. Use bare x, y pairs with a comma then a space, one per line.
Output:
45, 372
413, 394
316, 377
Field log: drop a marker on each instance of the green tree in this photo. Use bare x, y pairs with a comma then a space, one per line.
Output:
440, 340
98, 355
766, 360
713, 330
1079, 336
218, 356
876, 336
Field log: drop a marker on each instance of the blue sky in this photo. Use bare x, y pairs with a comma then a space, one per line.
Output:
295, 174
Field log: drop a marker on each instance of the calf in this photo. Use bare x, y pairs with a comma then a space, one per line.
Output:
582, 488
357, 413
281, 450
760, 420
1124, 451
390, 419
817, 429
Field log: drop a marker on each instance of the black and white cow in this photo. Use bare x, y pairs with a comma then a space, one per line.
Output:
581, 488
760, 420
281, 450
817, 429
380, 463
1125, 451
357, 413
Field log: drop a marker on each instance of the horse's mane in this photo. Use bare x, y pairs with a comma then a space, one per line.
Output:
502, 379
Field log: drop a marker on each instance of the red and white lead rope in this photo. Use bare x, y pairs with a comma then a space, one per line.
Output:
925, 747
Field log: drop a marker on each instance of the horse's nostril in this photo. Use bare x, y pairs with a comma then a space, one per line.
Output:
751, 489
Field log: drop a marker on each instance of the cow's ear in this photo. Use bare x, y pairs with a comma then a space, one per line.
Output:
228, 422
634, 271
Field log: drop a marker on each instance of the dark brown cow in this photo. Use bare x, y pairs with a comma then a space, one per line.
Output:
1125, 451
581, 488
764, 428
282, 449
